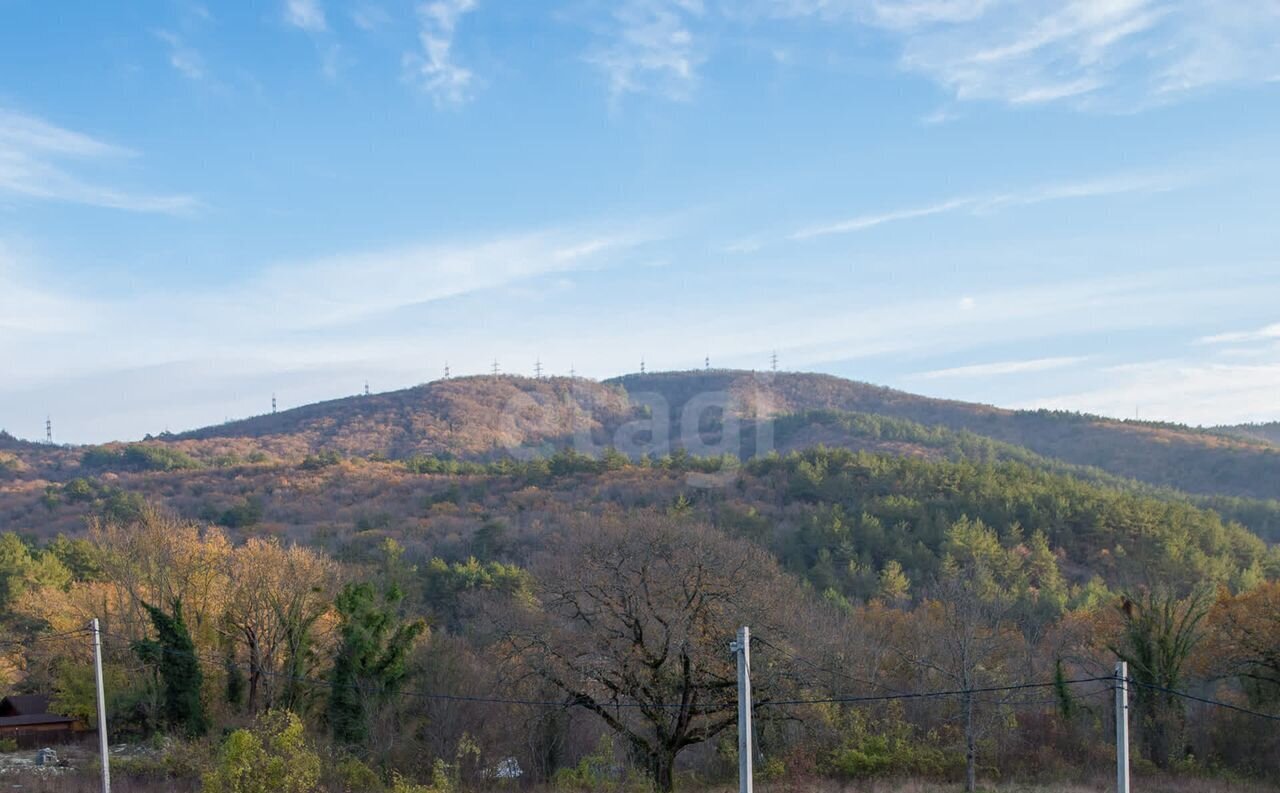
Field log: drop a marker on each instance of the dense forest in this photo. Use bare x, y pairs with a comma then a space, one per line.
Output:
300, 616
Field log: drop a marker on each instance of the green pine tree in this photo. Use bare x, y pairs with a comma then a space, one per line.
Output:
174, 656
370, 663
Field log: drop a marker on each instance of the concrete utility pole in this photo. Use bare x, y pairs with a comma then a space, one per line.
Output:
102, 707
1122, 727
742, 647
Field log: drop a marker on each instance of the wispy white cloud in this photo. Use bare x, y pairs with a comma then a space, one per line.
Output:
434, 69
998, 368
347, 288
1268, 333
1189, 391
34, 135
391, 315
1110, 54
305, 15
369, 16
994, 202
185, 59
31, 151
649, 47
863, 222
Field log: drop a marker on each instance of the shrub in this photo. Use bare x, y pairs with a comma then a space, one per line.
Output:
314, 462
888, 746
354, 776
595, 772
272, 757
139, 457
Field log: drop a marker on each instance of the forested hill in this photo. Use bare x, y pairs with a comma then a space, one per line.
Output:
1185, 458
1268, 432
457, 526
486, 418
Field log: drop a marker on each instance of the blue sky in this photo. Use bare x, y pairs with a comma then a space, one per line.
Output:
1063, 204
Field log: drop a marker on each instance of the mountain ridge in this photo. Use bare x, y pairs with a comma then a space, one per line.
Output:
487, 417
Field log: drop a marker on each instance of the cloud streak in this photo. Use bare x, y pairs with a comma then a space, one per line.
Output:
994, 202
31, 153
1189, 391
434, 69
1268, 333
999, 368
1104, 54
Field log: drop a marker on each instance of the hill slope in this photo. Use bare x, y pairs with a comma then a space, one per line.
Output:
487, 418
1168, 455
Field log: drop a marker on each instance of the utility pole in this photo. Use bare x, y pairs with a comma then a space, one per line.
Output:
1122, 727
742, 647
102, 707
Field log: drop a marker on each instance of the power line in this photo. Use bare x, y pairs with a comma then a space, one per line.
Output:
822, 669
834, 700
1215, 702
44, 637
221, 663
844, 700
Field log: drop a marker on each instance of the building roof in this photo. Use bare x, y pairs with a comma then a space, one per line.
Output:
24, 705
34, 720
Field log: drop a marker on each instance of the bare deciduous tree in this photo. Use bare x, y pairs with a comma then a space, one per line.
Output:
635, 627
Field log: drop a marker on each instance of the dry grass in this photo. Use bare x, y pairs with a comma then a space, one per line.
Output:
1144, 785
87, 783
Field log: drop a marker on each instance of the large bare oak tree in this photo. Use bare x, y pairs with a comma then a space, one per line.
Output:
636, 616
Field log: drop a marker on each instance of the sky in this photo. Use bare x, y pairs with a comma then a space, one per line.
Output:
1068, 204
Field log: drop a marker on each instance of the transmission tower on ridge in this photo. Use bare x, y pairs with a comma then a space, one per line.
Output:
273, 403
641, 366
707, 363
495, 367
48, 430
537, 369
446, 370
773, 360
